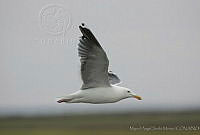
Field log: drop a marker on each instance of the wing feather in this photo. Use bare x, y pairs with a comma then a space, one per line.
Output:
94, 61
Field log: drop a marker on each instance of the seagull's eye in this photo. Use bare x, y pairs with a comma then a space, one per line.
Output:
128, 91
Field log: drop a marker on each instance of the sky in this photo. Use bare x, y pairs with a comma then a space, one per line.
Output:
152, 45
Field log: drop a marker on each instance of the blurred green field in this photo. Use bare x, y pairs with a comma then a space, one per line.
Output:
100, 124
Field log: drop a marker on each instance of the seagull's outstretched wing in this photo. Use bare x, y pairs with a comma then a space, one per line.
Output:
94, 61
113, 78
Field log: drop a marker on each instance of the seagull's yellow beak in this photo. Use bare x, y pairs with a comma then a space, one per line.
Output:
137, 97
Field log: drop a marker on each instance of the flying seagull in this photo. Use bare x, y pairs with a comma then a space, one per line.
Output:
99, 85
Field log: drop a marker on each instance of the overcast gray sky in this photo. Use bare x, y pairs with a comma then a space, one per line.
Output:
153, 46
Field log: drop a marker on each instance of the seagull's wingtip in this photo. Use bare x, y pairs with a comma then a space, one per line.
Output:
82, 25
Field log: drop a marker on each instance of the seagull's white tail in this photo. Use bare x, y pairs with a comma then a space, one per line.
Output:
63, 99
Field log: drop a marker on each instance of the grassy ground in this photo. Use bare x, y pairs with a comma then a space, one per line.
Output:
184, 123
73, 132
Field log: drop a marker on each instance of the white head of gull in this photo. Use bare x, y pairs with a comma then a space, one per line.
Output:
99, 85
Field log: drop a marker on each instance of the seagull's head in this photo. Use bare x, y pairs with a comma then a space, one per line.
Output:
130, 94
